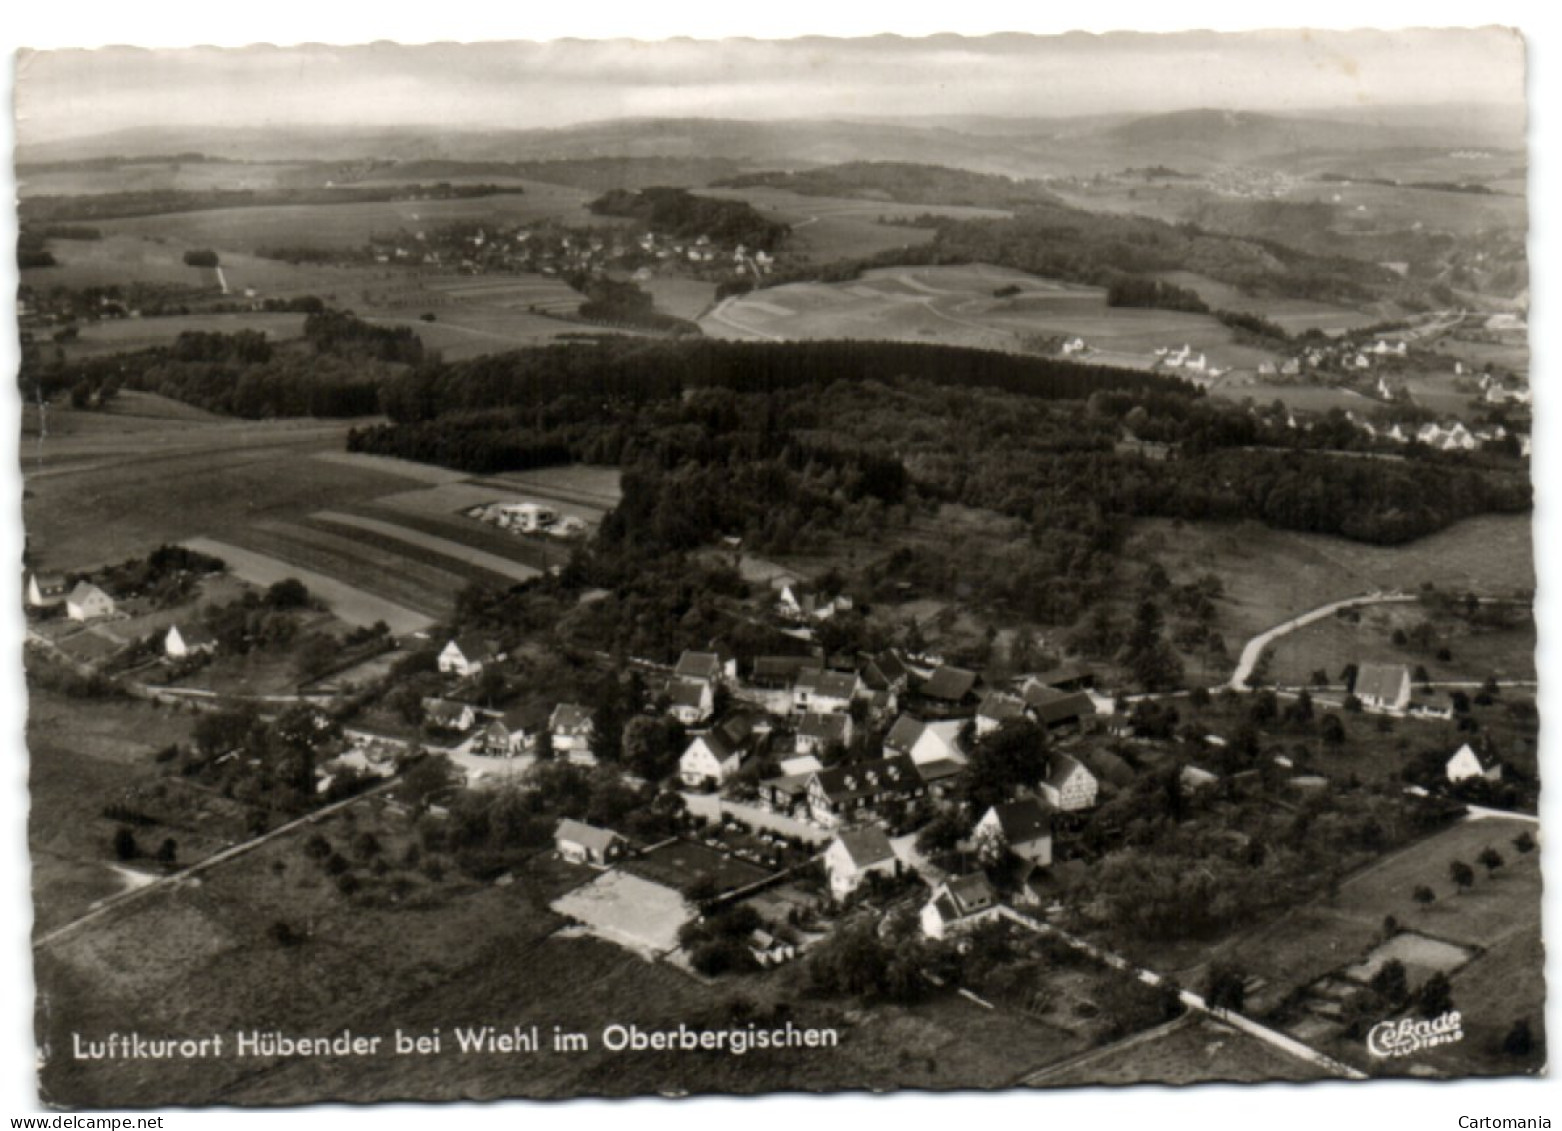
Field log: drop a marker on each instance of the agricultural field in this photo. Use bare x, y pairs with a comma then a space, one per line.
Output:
1294, 315
1492, 924
1240, 385
166, 176
826, 227
957, 306
121, 334
376, 539
682, 862
352, 225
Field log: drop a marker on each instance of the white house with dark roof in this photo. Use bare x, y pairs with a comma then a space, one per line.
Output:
958, 905
45, 590
466, 655
824, 692
573, 728
817, 732
1069, 785
691, 701
87, 602
581, 843
854, 855
713, 757
711, 667
1024, 827
189, 640
1383, 687
1467, 764
447, 714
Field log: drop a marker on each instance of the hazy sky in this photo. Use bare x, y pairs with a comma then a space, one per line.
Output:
64, 94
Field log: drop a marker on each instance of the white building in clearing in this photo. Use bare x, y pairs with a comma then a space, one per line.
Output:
958, 905
191, 640
87, 602
854, 855
466, 655
1383, 687
1466, 764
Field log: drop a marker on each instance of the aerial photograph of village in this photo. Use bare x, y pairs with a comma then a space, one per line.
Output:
723, 575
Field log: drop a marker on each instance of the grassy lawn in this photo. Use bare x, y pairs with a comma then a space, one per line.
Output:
83, 756
1329, 644
1197, 1051
1272, 575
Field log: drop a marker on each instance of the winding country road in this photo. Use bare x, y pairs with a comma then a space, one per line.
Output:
1254, 648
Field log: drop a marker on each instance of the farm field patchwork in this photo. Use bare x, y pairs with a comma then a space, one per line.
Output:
1193, 1051
441, 546
351, 604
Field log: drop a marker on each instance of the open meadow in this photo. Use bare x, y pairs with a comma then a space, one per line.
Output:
959, 306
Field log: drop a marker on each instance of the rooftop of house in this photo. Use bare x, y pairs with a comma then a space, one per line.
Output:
949, 684
1027, 819
866, 846
587, 836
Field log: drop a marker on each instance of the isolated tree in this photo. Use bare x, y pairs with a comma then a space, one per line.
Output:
1435, 996
1461, 873
1390, 982
1490, 859
1519, 1042
1524, 843
168, 851
1225, 987
1423, 895
125, 846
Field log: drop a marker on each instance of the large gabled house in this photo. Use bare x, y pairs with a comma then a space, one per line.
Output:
1023, 827
713, 757
779, 673
1383, 687
1057, 710
512, 733
465, 655
1068, 677
949, 690
997, 708
87, 602
572, 728
958, 905
818, 732
714, 668
856, 854
885, 671
824, 692
859, 791
1069, 785
903, 735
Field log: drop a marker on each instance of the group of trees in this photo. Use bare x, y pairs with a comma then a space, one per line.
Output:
680, 214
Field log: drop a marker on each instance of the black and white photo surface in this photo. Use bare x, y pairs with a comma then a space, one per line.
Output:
610, 568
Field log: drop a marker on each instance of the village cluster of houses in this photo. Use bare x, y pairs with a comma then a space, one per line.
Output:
549, 250
83, 601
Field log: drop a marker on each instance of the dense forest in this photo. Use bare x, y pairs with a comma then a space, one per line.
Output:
680, 214
903, 182
336, 370
803, 447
